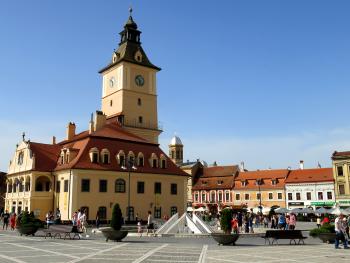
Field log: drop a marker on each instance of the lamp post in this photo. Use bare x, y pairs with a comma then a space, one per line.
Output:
260, 207
129, 167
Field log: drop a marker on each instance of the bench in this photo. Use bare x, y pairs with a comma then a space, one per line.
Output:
55, 231
293, 235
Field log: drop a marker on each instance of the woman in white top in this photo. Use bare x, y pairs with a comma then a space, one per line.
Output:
150, 225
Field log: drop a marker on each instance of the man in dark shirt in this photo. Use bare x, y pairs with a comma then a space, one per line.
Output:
5, 219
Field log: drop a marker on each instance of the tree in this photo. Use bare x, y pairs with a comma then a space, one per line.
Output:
117, 218
225, 221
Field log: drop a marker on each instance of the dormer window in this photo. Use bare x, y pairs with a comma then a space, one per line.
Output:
121, 158
94, 155
259, 182
244, 183
204, 182
154, 160
105, 156
163, 163
141, 160
274, 181
220, 182
131, 157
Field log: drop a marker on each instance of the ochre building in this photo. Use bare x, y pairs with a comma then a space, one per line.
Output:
116, 160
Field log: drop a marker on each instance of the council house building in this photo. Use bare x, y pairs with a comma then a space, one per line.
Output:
117, 159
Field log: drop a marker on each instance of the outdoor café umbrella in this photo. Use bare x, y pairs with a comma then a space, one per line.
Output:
189, 209
201, 209
337, 211
306, 211
322, 210
282, 210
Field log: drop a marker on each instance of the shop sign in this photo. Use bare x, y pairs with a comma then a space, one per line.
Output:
295, 203
344, 202
322, 203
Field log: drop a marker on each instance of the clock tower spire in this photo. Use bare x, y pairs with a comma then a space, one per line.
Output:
129, 91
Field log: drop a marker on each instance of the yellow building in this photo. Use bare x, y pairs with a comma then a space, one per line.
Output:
341, 173
95, 169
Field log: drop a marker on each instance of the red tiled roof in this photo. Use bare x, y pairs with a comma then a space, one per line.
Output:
265, 175
220, 171
210, 176
310, 175
46, 155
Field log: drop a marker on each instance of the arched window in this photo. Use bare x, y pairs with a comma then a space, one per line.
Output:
140, 160
27, 184
94, 155
121, 158
20, 158
162, 161
105, 156
154, 160
120, 185
131, 158
9, 186
42, 183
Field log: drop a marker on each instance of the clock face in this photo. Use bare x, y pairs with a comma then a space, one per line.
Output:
139, 80
111, 82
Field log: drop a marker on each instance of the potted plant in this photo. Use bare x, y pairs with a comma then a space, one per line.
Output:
114, 232
225, 238
326, 233
27, 224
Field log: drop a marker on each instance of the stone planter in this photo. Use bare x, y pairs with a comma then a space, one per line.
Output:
115, 235
27, 230
327, 237
225, 239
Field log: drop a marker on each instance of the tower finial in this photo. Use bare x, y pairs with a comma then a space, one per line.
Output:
130, 10
23, 136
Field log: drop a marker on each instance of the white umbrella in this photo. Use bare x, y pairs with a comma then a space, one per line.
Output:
282, 210
190, 209
307, 211
338, 211
322, 210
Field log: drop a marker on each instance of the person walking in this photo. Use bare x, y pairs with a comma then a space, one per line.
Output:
5, 220
13, 221
340, 232
318, 222
292, 221
282, 222
150, 224
97, 219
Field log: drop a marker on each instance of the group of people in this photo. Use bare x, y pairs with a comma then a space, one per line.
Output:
150, 225
341, 227
7, 219
79, 220
52, 218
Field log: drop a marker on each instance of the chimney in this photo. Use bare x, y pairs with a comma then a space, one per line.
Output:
100, 120
215, 164
70, 133
242, 167
91, 124
301, 163
53, 139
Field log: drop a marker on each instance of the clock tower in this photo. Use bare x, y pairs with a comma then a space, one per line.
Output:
129, 91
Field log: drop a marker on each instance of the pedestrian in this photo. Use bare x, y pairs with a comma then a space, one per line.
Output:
139, 228
240, 222
5, 220
251, 223
58, 216
75, 219
246, 224
49, 217
97, 219
318, 222
292, 221
340, 232
13, 221
150, 224
234, 224
82, 220
282, 222
266, 222
78, 217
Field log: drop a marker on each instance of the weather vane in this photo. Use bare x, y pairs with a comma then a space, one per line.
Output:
130, 10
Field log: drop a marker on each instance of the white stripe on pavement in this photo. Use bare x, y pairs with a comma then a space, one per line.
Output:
12, 259
203, 254
149, 253
97, 253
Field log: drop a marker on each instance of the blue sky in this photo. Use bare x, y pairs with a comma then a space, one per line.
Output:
264, 82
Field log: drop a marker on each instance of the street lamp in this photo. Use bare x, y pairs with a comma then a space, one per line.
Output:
260, 207
129, 167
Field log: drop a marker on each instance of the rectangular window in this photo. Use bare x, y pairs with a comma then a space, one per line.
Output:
58, 186
141, 161
102, 212
157, 188
238, 197
340, 171
103, 186
157, 212
290, 196
212, 197
308, 195
65, 186
320, 195
173, 188
341, 189
329, 195
85, 185
173, 210
279, 196
258, 196
95, 157
270, 196
220, 197
140, 187
298, 197
227, 196
196, 197
246, 196
203, 197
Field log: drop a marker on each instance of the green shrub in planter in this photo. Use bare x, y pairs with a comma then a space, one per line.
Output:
117, 218
225, 221
28, 219
325, 228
